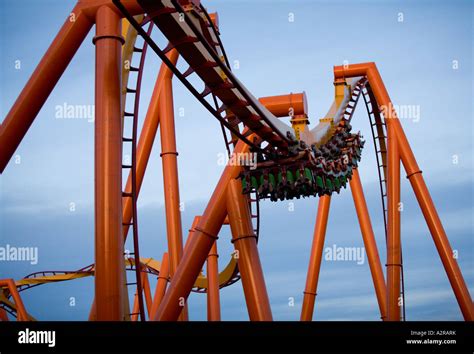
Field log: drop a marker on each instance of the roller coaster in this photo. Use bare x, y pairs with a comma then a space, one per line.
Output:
290, 161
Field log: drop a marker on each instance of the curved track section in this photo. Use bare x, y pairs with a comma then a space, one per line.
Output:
187, 29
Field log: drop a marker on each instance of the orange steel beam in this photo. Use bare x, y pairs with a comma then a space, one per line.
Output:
147, 292
281, 105
245, 243
21, 314
394, 263
109, 261
41, 83
161, 284
147, 137
169, 156
199, 246
213, 302
369, 242
418, 184
170, 174
144, 147
315, 258
136, 308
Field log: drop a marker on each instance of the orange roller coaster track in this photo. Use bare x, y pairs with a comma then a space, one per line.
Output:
291, 162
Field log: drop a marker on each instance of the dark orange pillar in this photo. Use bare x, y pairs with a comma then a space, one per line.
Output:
213, 301
315, 258
245, 243
109, 260
41, 83
369, 243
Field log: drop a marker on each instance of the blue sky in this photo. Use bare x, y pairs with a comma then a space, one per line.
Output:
275, 56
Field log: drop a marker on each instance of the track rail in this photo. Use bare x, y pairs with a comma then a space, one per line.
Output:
181, 29
132, 139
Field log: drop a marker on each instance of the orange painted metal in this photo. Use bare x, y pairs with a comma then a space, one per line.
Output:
161, 285
315, 258
394, 262
245, 243
418, 184
213, 301
41, 83
169, 156
147, 137
21, 314
147, 292
369, 242
3, 315
215, 19
199, 246
191, 231
442, 245
170, 174
90, 7
148, 300
144, 147
109, 259
281, 105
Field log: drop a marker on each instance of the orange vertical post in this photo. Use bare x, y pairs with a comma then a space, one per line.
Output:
393, 226
161, 284
213, 302
109, 260
147, 292
315, 258
148, 300
369, 242
169, 156
42, 82
245, 243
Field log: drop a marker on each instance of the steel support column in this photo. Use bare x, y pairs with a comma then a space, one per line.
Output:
213, 301
109, 259
369, 242
161, 284
418, 184
393, 227
245, 243
169, 156
315, 258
